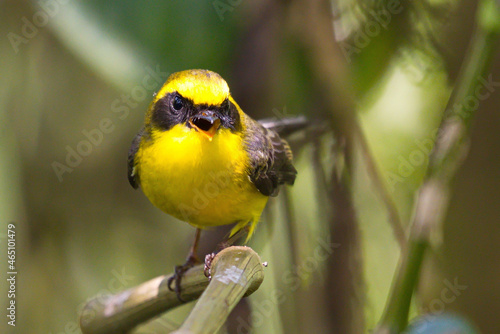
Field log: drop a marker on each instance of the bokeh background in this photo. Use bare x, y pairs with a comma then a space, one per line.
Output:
71, 67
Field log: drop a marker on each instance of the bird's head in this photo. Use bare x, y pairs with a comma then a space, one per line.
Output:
197, 99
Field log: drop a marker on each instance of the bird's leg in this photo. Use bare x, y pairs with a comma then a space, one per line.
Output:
192, 256
179, 271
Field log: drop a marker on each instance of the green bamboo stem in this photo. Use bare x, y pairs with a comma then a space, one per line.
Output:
448, 153
122, 312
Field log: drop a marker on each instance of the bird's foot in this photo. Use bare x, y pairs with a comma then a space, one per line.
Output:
208, 265
179, 271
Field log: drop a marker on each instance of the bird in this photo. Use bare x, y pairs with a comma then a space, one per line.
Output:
202, 160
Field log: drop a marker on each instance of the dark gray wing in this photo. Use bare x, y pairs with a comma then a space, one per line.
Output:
133, 177
271, 159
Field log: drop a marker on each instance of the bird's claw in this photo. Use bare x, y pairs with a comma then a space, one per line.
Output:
179, 271
208, 265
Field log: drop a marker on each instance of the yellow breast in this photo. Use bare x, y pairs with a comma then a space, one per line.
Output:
202, 182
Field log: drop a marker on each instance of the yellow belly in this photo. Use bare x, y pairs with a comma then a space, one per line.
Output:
202, 182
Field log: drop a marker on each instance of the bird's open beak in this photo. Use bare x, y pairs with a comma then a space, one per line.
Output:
206, 122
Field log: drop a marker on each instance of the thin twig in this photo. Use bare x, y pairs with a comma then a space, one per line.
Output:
334, 87
381, 188
335, 105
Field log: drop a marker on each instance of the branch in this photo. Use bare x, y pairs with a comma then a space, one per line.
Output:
236, 272
448, 154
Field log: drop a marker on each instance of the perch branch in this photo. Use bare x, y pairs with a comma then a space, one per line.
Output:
236, 271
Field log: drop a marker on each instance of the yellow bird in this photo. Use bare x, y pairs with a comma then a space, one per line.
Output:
201, 159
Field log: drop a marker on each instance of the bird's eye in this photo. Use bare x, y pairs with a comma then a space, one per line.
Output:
177, 103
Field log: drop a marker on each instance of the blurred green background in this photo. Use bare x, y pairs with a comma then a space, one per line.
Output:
82, 231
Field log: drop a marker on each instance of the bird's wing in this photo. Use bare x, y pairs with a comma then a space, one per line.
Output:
133, 177
271, 158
